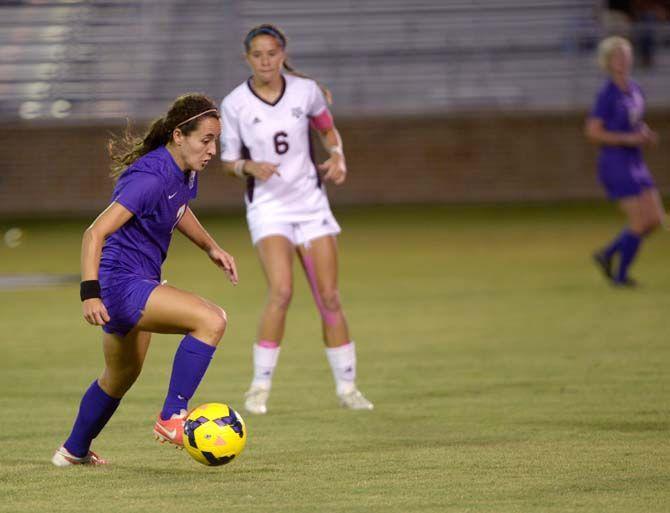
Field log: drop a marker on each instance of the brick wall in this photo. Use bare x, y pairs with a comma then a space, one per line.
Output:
52, 169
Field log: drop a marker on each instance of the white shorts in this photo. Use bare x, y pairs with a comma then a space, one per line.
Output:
299, 233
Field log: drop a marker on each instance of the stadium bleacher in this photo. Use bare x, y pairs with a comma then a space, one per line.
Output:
110, 59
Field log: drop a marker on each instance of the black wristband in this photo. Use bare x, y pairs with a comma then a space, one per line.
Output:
89, 289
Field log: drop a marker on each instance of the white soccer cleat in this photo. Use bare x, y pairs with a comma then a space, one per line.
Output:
354, 400
256, 400
63, 458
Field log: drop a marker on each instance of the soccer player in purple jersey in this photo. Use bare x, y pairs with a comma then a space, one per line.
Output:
616, 125
121, 257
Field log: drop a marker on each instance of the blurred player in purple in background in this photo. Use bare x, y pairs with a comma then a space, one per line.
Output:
265, 138
121, 258
616, 125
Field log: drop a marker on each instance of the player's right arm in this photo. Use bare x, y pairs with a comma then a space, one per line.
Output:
596, 133
596, 130
247, 167
231, 144
110, 220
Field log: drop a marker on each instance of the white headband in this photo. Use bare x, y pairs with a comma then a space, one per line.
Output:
196, 116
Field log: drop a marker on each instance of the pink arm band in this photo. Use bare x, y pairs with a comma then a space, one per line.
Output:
322, 122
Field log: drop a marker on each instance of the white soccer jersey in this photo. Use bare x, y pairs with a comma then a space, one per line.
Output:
277, 133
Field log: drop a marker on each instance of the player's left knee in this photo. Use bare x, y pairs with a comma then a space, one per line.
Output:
218, 322
117, 381
658, 220
131, 375
331, 300
653, 222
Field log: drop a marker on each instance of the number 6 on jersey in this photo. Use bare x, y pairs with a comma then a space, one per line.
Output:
281, 144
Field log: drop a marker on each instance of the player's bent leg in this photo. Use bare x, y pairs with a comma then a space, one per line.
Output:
654, 212
124, 357
95, 410
170, 310
633, 208
188, 369
190, 364
603, 258
631, 239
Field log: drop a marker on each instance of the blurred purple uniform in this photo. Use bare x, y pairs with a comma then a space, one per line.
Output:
621, 169
157, 192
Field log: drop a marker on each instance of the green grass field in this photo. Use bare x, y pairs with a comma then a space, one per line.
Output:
507, 375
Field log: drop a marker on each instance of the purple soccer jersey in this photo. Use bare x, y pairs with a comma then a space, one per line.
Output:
157, 192
621, 168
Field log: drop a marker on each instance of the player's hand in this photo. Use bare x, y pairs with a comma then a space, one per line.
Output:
334, 169
650, 137
226, 262
643, 137
261, 170
95, 312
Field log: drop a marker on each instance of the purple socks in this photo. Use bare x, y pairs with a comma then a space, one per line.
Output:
190, 363
629, 243
95, 409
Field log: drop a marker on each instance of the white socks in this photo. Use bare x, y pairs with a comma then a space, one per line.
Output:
265, 361
342, 361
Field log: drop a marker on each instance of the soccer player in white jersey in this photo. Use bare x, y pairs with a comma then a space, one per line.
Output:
265, 139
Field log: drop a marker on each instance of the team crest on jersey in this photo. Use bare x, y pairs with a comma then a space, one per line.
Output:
180, 213
634, 107
191, 179
256, 120
297, 112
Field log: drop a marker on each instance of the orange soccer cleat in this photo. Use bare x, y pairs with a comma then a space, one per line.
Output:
171, 430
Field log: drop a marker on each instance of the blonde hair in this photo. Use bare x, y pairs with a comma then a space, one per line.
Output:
607, 46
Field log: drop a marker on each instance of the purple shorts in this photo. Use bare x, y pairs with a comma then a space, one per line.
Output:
125, 297
623, 181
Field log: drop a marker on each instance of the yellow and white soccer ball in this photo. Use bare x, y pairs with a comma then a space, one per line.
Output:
214, 434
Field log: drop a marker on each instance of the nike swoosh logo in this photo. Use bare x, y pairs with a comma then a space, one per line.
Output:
72, 459
171, 433
172, 196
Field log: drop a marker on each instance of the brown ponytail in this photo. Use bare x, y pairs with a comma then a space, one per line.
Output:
184, 113
273, 31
